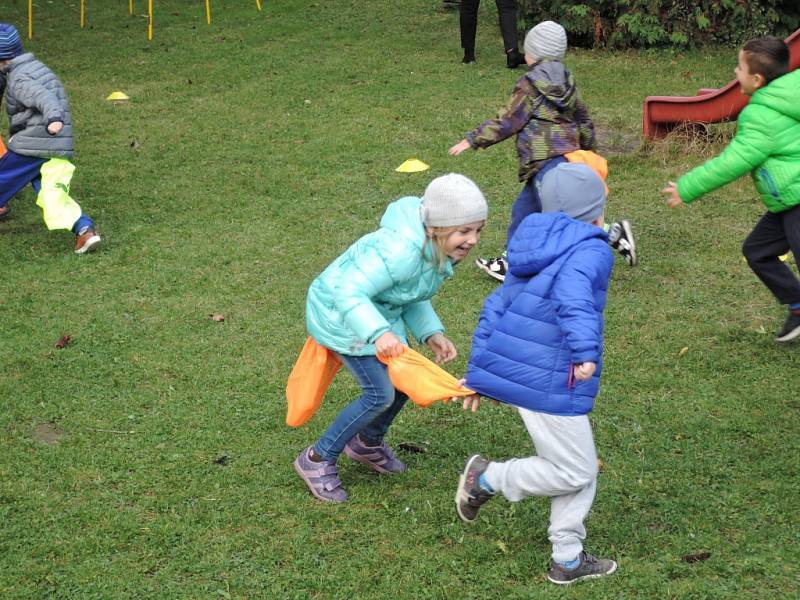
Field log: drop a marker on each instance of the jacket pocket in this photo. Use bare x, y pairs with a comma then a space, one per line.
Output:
769, 183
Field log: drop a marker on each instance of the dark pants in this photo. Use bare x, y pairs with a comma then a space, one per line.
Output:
774, 235
507, 10
528, 201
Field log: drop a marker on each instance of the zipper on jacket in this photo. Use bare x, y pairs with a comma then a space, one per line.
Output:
766, 177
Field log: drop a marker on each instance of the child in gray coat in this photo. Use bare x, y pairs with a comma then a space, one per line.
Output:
40, 141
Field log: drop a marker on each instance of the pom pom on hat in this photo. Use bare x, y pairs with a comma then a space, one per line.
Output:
452, 200
548, 39
10, 42
574, 189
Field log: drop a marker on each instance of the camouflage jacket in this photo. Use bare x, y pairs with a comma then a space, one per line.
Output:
547, 115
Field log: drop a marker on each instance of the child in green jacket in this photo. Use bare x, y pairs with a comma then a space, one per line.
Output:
767, 145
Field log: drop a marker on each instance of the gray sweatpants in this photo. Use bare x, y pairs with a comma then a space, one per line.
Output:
564, 468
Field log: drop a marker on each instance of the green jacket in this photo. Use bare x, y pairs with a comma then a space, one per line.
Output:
383, 282
767, 144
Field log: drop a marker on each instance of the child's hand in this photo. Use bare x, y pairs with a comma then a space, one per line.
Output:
55, 127
387, 344
472, 402
443, 348
674, 199
459, 147
584, 371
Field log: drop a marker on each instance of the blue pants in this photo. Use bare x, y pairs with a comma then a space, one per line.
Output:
528, 201
370, 414
17, 171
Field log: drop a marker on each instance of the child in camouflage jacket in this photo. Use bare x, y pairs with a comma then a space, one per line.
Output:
550, 120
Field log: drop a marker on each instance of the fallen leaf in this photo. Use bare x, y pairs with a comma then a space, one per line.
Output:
411, 447
600, 464
62, 343
683, 351
189, 81
135, 144
217, 317
221, 460
502, 546
693, 558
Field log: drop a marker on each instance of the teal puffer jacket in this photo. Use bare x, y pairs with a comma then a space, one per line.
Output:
767, 144
383, 282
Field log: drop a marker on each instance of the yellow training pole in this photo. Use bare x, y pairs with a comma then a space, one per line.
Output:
30, 19
149, 19
258, 4
130, 7
82, 14
208, 12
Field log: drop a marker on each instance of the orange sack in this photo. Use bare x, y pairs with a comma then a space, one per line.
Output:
312, 374
422, 380
594, 161
2, 147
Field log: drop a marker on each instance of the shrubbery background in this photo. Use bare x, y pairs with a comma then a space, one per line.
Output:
649, 23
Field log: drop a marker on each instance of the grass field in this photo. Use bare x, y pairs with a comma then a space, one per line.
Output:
149, 457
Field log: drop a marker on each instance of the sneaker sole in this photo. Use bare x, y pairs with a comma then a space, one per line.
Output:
310, 486
485, 268
593, 576
461, 495
90, 245
626, 227
365, 461
789, 336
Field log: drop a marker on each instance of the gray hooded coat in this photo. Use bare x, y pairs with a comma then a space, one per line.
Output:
35, 98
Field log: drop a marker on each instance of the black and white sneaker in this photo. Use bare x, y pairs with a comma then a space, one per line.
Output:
790, 329
493, 267
620, 237
589, 568
470, 496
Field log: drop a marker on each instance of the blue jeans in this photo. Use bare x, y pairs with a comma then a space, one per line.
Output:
528, 201
370, 414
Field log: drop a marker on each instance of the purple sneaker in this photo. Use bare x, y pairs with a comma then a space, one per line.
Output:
380, 458
322, 478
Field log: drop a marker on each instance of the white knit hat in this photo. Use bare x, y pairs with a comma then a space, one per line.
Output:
452, 200
546, 40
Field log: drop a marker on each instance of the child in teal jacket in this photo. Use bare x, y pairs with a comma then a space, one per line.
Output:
767, 145
364, 302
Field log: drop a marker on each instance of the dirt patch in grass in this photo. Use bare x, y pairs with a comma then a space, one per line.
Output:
47, 433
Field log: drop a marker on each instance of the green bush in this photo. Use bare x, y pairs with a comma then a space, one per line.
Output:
648, 23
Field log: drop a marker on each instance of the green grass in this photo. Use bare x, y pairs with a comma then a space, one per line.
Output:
219, 189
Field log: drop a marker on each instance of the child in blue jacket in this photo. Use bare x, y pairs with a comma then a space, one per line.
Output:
361, 306
538, 346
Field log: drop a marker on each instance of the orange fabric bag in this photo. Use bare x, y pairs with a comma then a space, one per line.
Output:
422, 380
594, 161
2, 147
310, 377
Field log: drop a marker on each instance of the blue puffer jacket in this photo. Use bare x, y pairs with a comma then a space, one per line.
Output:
383, 282
546, 317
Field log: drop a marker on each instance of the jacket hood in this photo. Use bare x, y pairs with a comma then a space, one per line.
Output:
781, 95
404, 217
543, 238
554, 81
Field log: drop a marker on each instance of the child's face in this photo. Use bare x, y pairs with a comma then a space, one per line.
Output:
749, 82
458, 244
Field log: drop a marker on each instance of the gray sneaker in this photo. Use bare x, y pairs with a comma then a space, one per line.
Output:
589, 568
470, 496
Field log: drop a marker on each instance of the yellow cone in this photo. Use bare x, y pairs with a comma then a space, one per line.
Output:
117, 96
412, 165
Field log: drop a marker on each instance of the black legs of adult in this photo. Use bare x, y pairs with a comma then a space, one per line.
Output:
507, 11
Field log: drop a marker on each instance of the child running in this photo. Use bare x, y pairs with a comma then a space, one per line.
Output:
550, 120
362, 304
538, 346
40, 141
767, 145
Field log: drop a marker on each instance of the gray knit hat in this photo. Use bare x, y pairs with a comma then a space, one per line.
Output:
574, 189
452, 200
10, 43
546, 40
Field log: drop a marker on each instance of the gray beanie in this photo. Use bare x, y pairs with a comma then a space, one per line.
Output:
452, 200
574, 189
546, 40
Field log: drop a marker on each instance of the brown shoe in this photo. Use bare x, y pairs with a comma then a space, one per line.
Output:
86, 241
